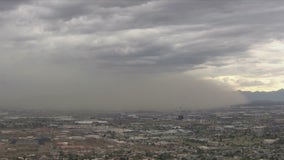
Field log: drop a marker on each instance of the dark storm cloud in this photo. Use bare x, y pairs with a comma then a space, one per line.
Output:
226, 28
158, 32
11, 4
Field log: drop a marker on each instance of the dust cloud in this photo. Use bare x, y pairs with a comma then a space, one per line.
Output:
65, 88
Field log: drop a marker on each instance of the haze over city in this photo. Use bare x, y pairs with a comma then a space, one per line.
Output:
141, 80
138, 54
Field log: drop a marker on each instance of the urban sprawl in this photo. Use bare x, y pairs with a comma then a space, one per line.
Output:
232, 133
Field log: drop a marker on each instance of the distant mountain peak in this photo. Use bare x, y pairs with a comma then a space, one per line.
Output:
276, 96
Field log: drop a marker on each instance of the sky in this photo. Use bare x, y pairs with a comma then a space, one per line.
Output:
133, 53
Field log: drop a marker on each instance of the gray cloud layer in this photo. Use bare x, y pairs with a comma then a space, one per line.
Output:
166, 35
51, 42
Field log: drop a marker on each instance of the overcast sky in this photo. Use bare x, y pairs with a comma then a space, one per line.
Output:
54, 51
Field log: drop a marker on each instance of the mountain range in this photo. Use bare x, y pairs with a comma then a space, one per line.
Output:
273, 96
